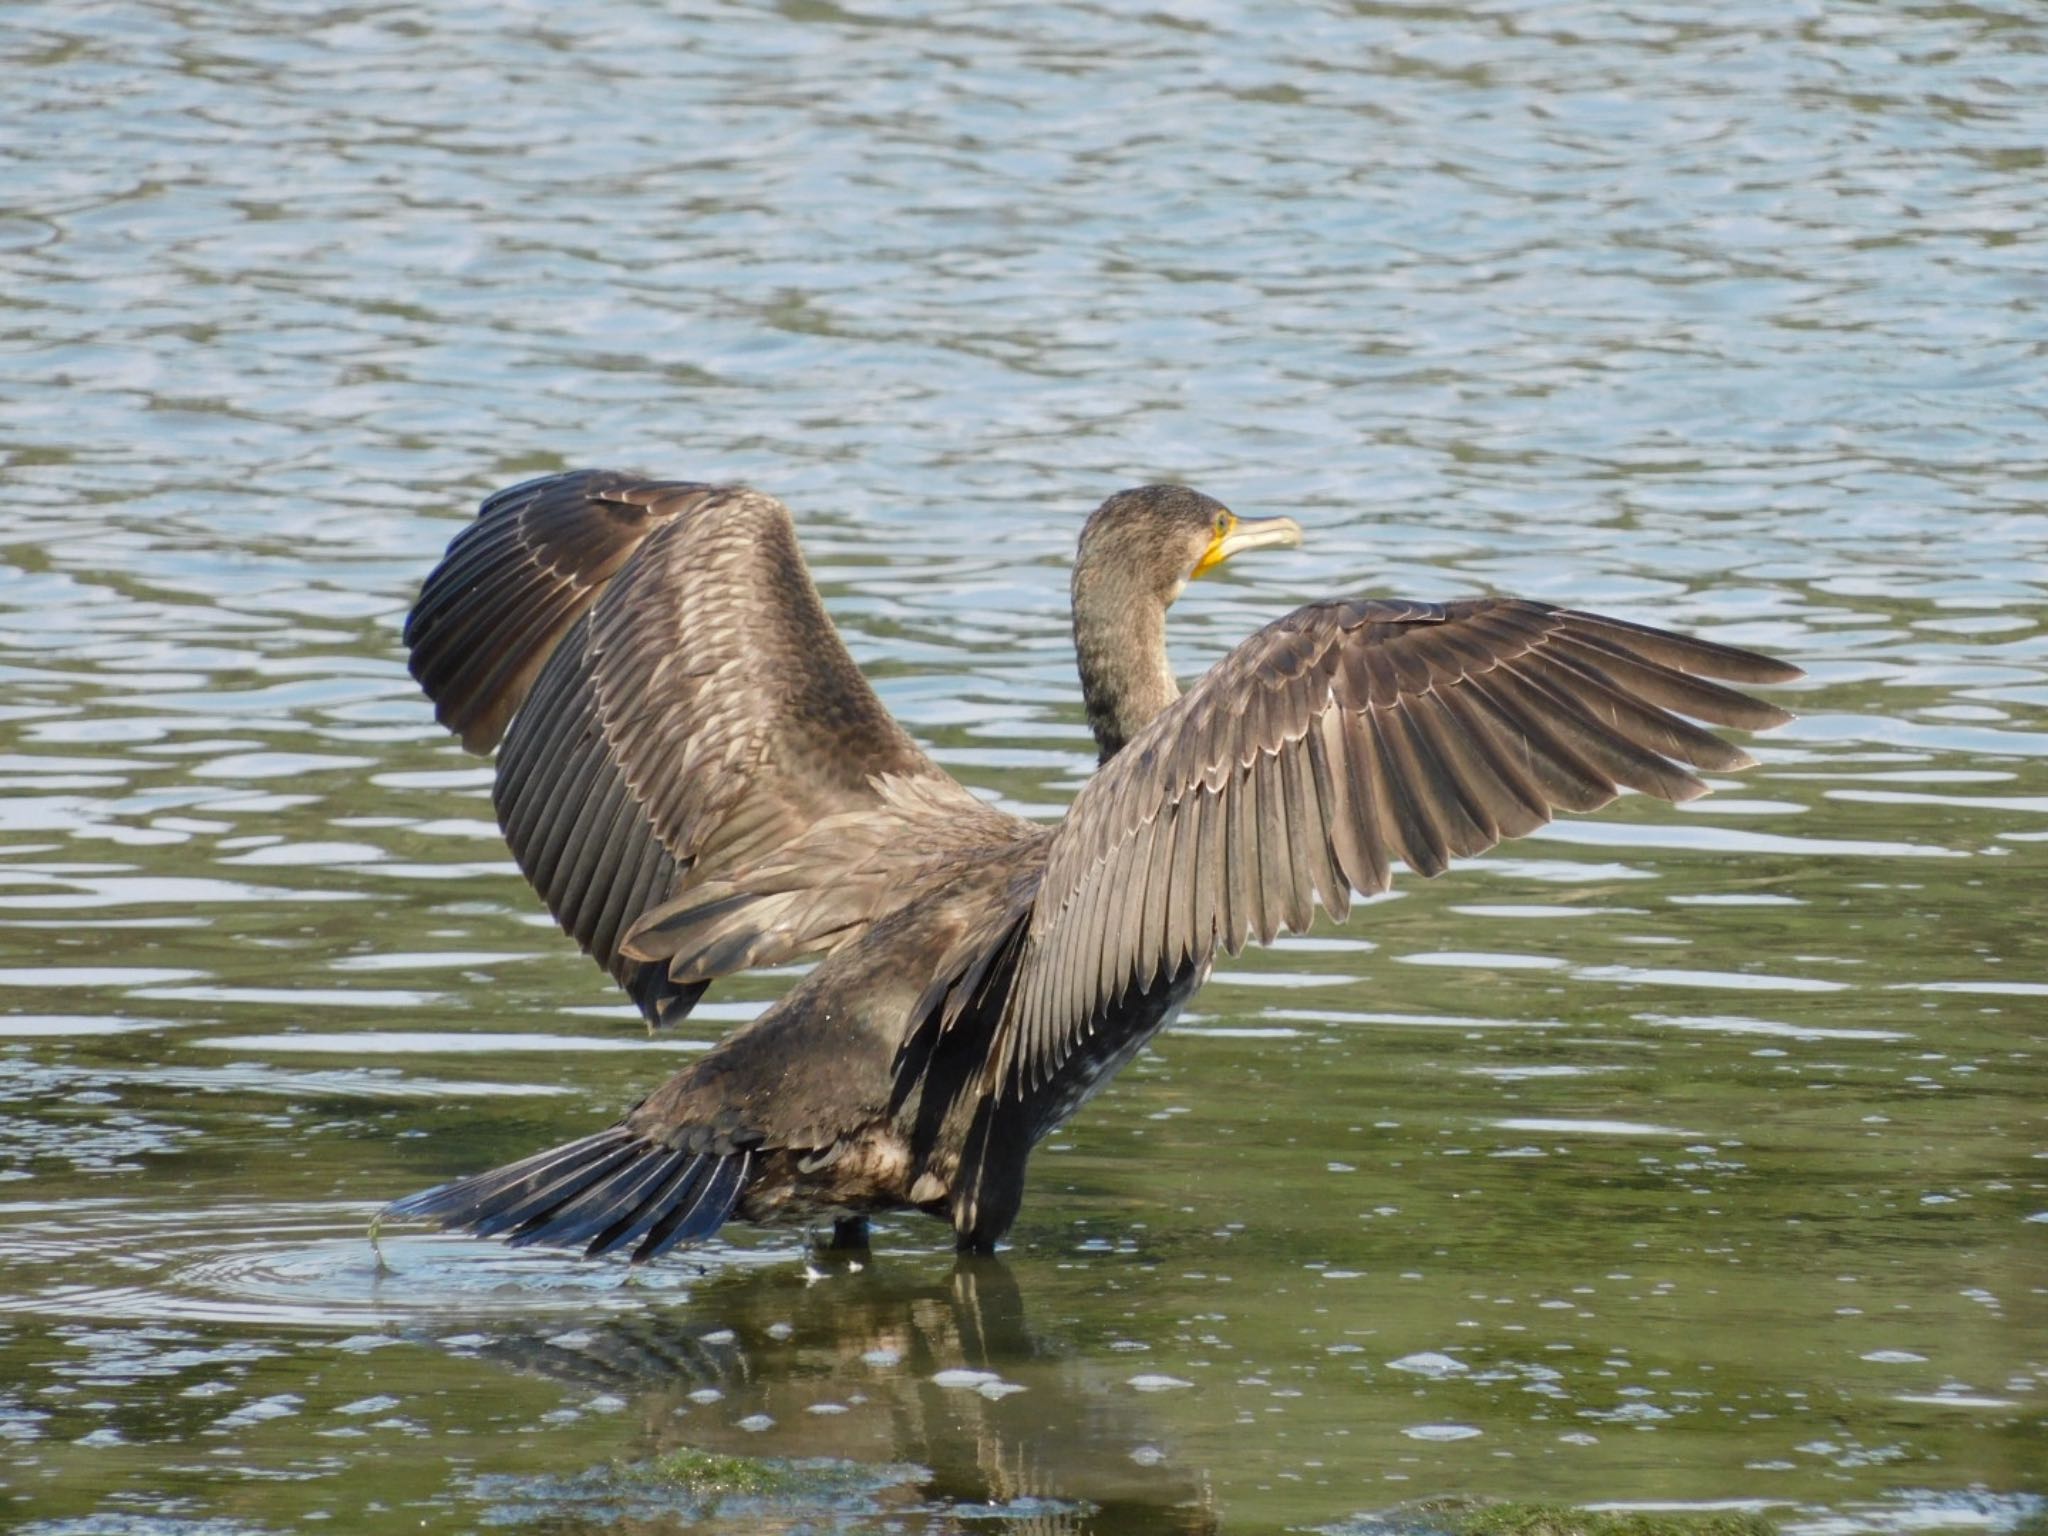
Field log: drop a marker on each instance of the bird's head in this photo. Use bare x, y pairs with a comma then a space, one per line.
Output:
1138, 551
1150, 541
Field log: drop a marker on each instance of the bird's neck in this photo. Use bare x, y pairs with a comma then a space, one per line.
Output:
1120, 643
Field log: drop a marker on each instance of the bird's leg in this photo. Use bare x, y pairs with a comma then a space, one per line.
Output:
846, 1252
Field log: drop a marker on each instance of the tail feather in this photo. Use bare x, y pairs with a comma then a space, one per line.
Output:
703, 1214
683, 1182
602, 1192
481, 1195
601, 1204
563, 1179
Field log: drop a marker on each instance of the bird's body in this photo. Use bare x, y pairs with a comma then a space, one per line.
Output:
698, 780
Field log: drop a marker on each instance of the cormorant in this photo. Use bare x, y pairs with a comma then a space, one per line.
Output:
698, 780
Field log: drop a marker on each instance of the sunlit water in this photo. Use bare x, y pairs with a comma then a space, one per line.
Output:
1673, 1156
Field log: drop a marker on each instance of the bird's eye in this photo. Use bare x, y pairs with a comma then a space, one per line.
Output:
1222, 524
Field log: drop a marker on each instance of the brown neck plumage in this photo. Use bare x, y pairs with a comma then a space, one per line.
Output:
1120, 644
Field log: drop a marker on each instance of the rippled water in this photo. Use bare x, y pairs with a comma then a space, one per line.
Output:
1673, 1156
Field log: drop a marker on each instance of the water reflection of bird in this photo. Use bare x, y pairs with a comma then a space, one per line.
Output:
938, 1375
698, 780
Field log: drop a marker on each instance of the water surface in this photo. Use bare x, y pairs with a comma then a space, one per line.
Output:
1674, 1156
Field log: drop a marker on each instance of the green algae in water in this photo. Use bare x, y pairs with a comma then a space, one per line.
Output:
698, 1471
1566, 1520
1446, 1517
695, 1484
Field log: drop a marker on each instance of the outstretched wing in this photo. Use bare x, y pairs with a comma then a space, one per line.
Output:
696, 777
1331, 743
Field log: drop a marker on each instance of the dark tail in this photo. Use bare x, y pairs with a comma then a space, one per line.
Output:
604, 1192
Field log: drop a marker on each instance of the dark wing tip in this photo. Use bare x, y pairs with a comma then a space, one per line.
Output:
1689, 653
513, 581
1772, 670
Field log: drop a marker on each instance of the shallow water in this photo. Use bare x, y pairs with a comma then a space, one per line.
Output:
1674, 1156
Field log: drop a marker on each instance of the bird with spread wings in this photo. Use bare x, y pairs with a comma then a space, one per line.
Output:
697, 779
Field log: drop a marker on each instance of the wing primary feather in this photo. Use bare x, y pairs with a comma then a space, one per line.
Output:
1437, 783
590, 876
529, 760
478, 583
1285, 884
501, 660
1604, 754
1486, 803
1361, 850
1018, 1040
517, 551
1226, 814
1644, 723
1303, 817
1406, 821
567, 805
1333, 798
1263, 854
1076, 956
1158, 880
1114, 920
1133, 863
1513, 794
1584, 698
1670, 688
1000, 1067
1685, 653
1085, 965
536, 769
1308, 828
556, 873
1183, 887
1610, 750
478, 548
480, 641
1241, 862
624, 886
1564, 778
1069, 973
1207, 908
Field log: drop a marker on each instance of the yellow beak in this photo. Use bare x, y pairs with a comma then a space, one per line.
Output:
1238, 535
